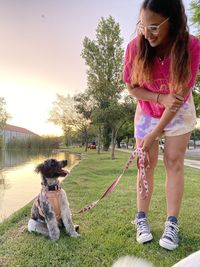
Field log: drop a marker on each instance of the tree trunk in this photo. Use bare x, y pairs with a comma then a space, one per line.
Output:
99, 141
113, 142
119, 140
106, 136
118, 143
86, 141
127, 141
194, 139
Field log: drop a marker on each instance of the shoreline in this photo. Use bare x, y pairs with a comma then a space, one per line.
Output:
4, 218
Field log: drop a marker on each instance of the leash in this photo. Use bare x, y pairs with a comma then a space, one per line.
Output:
142, 186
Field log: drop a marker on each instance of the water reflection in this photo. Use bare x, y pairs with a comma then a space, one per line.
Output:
19, 184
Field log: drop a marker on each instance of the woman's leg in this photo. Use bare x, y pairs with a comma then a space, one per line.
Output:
174, 151
143, 230
143, 204
143, 124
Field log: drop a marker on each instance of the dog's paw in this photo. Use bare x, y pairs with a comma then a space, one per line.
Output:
54, 237
75, 234
54, 234
32, 225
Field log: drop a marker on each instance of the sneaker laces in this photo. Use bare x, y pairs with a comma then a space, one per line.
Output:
171, 231
142, 225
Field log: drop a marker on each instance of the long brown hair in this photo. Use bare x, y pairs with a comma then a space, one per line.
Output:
179, 34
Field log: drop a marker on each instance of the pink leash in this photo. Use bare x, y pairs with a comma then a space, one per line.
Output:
143, 184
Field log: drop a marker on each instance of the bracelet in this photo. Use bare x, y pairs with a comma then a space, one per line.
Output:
157, 99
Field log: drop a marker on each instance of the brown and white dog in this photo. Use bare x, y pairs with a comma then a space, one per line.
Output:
50, 209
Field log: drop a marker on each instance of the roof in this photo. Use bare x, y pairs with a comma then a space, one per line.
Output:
13, 128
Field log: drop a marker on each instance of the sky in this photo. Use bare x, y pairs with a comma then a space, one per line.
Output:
40, 52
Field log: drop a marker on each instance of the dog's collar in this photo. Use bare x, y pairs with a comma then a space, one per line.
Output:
53, 187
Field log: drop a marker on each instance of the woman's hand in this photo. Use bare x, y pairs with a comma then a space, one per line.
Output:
148, 140
171, 101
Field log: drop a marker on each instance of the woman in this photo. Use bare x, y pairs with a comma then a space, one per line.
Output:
160, 70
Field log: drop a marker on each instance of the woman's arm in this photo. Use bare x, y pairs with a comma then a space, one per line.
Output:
169, 113
167, 116
149, 138
172, 103
141, 93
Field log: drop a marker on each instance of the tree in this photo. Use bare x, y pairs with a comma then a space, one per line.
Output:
123, 115
104, 58
116, 115
83, 105
64, 114
195, 8
3, 114
3, 117
125, 133
196, 95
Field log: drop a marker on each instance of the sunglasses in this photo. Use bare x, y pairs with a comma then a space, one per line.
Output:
153, 29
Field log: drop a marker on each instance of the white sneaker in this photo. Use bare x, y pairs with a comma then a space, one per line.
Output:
169, 239
143, 230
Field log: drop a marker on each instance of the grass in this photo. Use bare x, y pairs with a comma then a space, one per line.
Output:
106, 231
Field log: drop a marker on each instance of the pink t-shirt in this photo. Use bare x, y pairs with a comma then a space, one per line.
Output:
160, 74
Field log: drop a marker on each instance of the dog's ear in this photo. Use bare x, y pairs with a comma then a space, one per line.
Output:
39, 168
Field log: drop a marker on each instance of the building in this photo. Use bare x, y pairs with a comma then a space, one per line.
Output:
14, 132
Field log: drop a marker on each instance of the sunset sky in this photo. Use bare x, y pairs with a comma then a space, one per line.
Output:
40, 47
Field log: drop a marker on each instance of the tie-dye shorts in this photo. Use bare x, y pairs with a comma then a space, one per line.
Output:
183, 122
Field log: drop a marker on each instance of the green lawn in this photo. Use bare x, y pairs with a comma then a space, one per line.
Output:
106, 231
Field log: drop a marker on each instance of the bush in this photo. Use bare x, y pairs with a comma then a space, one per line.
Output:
34, 143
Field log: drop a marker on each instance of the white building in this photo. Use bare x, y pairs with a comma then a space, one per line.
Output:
15, 132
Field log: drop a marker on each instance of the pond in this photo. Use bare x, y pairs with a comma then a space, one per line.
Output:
19, 184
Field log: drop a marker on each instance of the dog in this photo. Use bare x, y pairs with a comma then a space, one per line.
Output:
50, 210
192, 260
